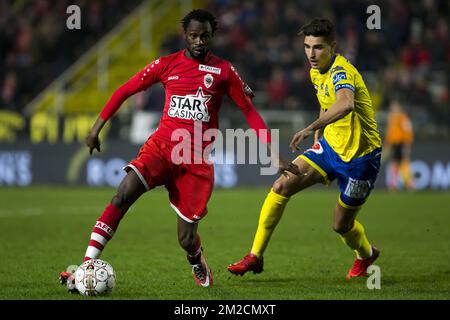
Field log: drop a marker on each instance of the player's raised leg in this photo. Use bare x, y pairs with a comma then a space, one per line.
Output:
272, 210
353, 235
129, 190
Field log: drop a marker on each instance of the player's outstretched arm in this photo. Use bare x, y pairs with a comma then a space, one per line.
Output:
139, 82
344, 105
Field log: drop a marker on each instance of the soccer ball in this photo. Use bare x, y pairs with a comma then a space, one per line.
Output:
94, 277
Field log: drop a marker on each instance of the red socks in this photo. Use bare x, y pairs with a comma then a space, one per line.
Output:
103, 231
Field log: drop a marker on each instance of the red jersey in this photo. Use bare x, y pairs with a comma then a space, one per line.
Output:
194, 92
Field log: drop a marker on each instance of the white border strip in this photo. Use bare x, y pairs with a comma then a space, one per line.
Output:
181, 215
99, 238
92, 252
139, 175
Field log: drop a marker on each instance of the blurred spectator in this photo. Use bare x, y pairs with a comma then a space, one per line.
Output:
9, 92
415, 55
277, 88
301, 95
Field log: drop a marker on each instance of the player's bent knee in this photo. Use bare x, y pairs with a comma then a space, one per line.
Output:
341, 228
279, 187
120, 201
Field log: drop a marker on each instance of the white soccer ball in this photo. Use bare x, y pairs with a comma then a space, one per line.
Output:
95, 277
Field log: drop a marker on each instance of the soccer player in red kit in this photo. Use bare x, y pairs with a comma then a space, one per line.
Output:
195, 82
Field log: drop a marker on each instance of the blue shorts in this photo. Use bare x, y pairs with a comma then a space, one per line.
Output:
356, 178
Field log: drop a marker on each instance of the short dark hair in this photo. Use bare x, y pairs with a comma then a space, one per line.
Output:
319, 28
200, 15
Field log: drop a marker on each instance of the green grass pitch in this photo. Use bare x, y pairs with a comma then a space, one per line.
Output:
43, 230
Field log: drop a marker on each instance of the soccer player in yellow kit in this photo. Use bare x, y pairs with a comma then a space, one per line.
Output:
347, 147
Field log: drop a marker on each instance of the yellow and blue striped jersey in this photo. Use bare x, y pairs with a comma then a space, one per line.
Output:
356, 134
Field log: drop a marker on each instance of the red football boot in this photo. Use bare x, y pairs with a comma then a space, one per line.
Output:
64, 277
359, 268
249, 263
202, 273
68, 279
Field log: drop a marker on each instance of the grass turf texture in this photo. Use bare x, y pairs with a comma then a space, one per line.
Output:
43, 230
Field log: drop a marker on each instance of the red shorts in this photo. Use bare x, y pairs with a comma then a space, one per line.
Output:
189, 185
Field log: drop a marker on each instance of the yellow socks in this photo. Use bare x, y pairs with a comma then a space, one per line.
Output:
357, 240
271, 213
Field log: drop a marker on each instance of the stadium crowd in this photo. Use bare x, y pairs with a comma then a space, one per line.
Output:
36, 45
407, 59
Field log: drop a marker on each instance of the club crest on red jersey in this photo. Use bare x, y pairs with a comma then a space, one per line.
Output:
208, 80
190, 107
